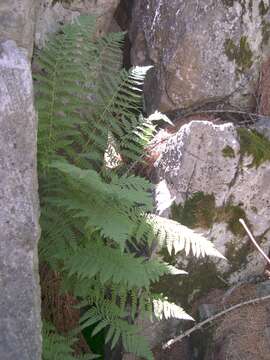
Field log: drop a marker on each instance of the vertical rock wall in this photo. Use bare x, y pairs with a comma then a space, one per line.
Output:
17, 22
20, 324
202, 51
19, 232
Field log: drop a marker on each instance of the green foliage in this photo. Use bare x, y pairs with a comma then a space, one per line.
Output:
97, 226
228, 152
108, 315
263, 8
176, 237
231, 214
198, 211
254, 144
121, 268
58, 347
241, 53
165, 310
204, 277
237, 256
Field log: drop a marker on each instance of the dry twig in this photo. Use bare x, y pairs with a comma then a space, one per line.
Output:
212, 318
242, 222
216, 316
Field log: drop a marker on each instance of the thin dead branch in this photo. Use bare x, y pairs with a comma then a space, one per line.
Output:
216, 316
242, 222
212, 318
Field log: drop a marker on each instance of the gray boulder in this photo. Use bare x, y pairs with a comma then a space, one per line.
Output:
20, 324
214, 175
52, 15
17, 22
202, 51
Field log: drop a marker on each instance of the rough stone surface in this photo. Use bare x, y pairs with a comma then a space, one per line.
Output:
17, 22
53, 14
263, 126
19, 231
102, 9
202, 51
27, 20
193, 161
49, 19
263, 289
206, 311
240, 334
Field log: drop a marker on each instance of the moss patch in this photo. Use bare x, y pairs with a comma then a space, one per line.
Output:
228, 152
263, 8
265, 32
241, 53
237, 257
228, 3
202, 277
62, 1
254, 144
230, 214
198, 211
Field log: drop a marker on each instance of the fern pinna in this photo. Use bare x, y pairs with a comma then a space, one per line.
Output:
96, 219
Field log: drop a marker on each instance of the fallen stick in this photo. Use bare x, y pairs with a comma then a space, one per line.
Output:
242, 222
212, 318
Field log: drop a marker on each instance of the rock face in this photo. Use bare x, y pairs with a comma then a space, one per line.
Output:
52, 14
214, 175
17, 22
243, 332
26, 20
202, 51
208, 176
21, 22
20, 324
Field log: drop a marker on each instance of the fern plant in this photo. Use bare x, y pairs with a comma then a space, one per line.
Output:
97, 226
59, 347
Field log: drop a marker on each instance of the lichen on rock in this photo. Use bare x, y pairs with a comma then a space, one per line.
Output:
228, 152
212, 191
200, 50
241, 53
254, 144
197, 211
20, 323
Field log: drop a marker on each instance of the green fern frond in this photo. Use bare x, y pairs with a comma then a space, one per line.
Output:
87, 194
108, 317
174, 271
59, 93
117, 108
163, 309
178, 237
82, 94
120, 268
59, 347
